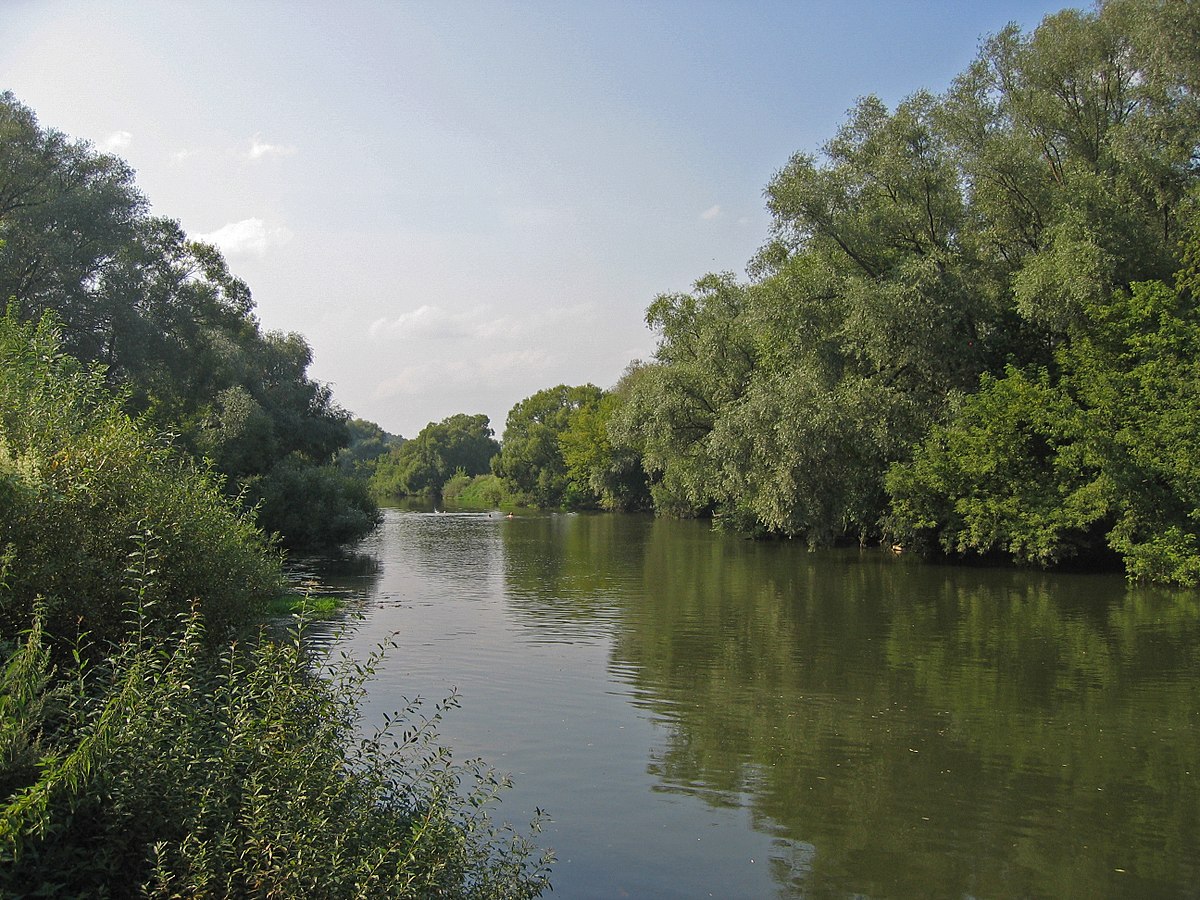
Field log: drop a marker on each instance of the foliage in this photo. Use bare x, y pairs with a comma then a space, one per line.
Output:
1006, 473
96, 510
165, 772
1043, 468
596, 466
476, 491
600, 459
368, 442
143, 753
314, 506
305, 606
162, 314
422, 465
531, 461
949, 275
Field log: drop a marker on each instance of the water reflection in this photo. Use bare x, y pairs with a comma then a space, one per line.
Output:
897, 729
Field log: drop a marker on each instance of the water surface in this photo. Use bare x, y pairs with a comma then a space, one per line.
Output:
707, 716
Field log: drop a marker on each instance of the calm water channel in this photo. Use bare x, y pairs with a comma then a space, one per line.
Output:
707, 716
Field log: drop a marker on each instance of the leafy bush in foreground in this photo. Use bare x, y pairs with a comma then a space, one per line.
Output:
95, 509
166, 772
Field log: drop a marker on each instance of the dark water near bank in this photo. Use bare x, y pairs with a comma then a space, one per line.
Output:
706, 716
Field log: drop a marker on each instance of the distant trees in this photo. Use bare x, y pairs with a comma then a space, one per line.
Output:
368, 442
530, 460
600, 468
165, 318
422, 465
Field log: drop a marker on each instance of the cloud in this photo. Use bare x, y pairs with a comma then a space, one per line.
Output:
249, 237
435, 323
514, 362
422, 379
181, 156
711, 213
260, 149
118, 140
425, 378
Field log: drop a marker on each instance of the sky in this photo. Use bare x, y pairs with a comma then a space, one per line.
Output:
458, 203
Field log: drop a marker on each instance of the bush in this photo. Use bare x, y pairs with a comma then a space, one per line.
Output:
142, 753
97, 512
311, 506
166, 772
479, 492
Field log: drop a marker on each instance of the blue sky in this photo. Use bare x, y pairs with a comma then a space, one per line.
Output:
461, 203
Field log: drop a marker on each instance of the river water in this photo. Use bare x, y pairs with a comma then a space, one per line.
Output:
704, 716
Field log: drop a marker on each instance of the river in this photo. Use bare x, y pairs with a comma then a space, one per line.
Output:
705, 716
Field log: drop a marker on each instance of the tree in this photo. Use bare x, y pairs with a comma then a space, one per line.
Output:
1044, 466
368, 442
172, 327
597, 466
422, 465
530, 459
703, 364
155, 739
964, 246
98, 514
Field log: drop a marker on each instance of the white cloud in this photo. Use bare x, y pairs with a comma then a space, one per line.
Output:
259, 149
252, 237
435, 323
514, 362
711, 213
181, 156
425, 378
118, 140
421, 379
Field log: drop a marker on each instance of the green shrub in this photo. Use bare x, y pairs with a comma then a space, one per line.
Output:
311, 506
96, 511
142, 753
169, 772
478, 492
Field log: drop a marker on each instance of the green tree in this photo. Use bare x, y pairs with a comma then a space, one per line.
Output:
597, 466
1006, 474
421, 466
368, 442
531, 459
96, 512
1043, 467
162, 314
934, 265
702, 366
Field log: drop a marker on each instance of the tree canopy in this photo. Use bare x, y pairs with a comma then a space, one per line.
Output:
421, 466
970, 330
161, 314
531, 459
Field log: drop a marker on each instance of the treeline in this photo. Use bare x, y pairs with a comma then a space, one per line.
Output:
973, 330
556, 453
173, 329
